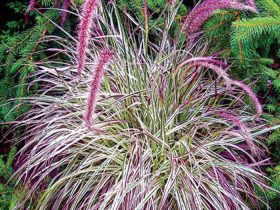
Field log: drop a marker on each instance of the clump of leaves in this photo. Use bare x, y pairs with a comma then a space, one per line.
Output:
161, 128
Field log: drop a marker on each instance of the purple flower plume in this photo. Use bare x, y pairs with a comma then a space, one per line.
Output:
31, 6
251, 94
64, 14
235, 120
251, 3
84, 31
217, 67
242, 127
201, 13
57, 3
105, 56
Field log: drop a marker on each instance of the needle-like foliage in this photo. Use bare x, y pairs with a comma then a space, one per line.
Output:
168, 131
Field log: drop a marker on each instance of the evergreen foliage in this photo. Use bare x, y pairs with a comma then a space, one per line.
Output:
9, 195
155, 9
21, 49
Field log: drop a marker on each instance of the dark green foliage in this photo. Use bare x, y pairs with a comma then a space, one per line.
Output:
9, 195
156, 8
21, 49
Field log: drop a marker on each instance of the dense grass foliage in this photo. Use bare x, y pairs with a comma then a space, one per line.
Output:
148, 123
145, 109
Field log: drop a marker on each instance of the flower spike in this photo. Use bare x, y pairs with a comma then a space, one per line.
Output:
105, 57
84, 31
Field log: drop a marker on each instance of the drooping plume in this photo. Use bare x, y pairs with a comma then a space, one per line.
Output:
85, 25
98, 73
31, 6
57, 3
201, 13
245, 131
64, 13
230, 117
251, 3
217, 69
251, 94
216, 66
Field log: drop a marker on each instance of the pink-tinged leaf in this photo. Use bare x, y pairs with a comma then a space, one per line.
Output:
84, 31
64, 14
251, 94
105, 56
202, 12
235, 120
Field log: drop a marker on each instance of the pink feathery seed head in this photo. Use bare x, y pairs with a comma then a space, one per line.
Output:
235, 120
172, 2
251, 94
210, 60
202, 12
252, 3
31, 6
64, 13
57, 3
217, 69
98, 73
85, 25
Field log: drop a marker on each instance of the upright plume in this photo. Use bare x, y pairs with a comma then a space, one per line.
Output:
85, 25
98, 73
202, 12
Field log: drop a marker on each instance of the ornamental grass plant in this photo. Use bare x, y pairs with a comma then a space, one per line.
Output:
137, 119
